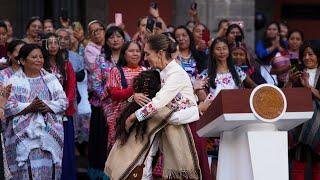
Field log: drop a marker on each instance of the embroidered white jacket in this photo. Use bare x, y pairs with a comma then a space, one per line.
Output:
176, 93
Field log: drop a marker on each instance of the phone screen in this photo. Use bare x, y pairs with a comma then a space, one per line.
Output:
150, 24
206, 35
294, 61
244, 68
159, 25
194, 6
238, 38
118, 19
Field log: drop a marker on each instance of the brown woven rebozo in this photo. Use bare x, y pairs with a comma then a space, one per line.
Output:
268, 103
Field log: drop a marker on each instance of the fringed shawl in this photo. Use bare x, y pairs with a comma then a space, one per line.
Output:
36, 130
177, 145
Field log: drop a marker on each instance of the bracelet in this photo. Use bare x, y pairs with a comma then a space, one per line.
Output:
130, 99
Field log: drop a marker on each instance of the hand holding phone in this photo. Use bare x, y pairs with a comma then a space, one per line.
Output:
154, 5
244, 68
118, 19
194, 6
206, 36
150, 24
159, 25
238, 39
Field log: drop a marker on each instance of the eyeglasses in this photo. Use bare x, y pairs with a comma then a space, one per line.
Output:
95, 31
51, 42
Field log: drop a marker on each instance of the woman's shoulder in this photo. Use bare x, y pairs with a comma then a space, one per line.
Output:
114, 70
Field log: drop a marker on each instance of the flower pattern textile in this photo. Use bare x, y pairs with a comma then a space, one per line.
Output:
225, 81
98, 78
179, 103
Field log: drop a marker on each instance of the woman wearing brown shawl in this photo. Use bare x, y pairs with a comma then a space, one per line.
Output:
166, 116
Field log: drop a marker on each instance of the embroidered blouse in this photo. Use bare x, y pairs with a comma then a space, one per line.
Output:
176, 93
225, 80
189, 65
37, 130
98, 79
69, 85
5, 74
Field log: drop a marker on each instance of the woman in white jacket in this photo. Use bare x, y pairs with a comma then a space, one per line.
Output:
176, 90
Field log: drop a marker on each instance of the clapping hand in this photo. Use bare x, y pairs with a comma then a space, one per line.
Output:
304, 79
38, 105
43, 107
4, 95
200, 83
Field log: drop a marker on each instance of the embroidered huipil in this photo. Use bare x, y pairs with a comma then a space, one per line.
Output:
118, 97
91, 52
69, 85
99, 70
225, 80
176, 93
189, 65
5, 74
36, 137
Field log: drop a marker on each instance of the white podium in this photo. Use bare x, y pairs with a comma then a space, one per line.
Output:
251, 149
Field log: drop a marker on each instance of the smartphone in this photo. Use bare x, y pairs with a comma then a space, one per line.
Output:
194, 6
159, 25
244, 68
150, 24
238, 39
154, 5
294, 61
296, 66
118, 19
206, 35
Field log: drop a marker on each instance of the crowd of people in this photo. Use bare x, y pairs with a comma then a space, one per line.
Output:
123, 101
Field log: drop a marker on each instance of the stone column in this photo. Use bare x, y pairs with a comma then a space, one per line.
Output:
96, 9
180, 12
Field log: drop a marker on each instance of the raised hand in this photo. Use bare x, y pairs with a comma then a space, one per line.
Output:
154, 12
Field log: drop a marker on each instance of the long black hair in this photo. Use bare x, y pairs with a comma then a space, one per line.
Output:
122, 60
267, 41
25, 51
199, 57
107, 50
235, 26
147, 82
31, 20
309, 44
60, 57
212, 67
11, 47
